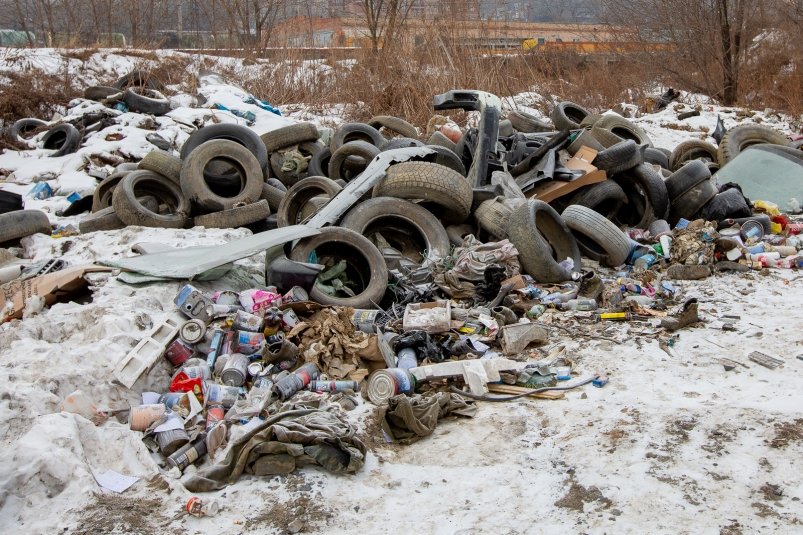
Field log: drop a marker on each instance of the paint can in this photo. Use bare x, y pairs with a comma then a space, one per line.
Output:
192, 331
249, 343
178, 353
384, 384
220, 364
296, 381
215, 394
236, 370
141, 417
188, 454
333, 386
254, 369
245, 321
406, 358
214, 415
365, 320
170, 441
289, 319
296, 294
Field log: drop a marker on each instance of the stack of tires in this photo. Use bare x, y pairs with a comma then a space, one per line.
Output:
216, 182
138, 90
408, 232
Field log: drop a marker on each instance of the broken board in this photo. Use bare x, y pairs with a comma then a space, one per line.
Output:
496, 388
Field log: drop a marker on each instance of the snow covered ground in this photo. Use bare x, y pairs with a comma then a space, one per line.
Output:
673, 444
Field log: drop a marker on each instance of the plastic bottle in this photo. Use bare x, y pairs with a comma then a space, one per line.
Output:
645, 261
536, 311
579, 304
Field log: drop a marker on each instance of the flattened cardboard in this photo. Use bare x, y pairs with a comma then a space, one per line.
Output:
51, 287
554, 189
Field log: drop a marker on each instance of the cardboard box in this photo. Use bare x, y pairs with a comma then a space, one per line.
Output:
518, 282
51, 287
554, 189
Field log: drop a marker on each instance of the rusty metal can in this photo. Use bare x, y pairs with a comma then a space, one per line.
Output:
190, 453
236, 370
296, 381
333, 386
178, 352
170, 441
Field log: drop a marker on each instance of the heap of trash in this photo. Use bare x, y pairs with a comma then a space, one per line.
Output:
418, 271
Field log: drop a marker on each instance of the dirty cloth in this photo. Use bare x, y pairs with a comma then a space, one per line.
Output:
330, 340
408, 419
283, 443
470, 261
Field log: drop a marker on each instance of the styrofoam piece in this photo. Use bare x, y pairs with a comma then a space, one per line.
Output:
145, 354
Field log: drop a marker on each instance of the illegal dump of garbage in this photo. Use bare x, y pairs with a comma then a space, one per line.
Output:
216, 313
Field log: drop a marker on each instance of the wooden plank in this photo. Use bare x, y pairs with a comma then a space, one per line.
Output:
513, 390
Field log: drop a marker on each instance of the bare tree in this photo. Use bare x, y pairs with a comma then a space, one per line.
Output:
703, 44
385, 20
252, 19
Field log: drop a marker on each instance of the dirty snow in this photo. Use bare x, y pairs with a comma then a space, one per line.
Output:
673, 444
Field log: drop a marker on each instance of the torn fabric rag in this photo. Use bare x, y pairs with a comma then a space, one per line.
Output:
283, 443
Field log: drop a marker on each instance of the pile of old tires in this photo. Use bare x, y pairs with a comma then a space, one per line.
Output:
216, 181
137, 91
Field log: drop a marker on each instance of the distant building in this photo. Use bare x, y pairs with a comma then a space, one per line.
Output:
302, 31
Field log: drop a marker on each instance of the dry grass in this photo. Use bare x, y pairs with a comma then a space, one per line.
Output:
402, 82
34, 94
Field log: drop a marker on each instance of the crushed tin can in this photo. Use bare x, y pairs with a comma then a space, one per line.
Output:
194, 304
200, 508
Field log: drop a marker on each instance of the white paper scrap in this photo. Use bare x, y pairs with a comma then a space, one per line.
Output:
115, 481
